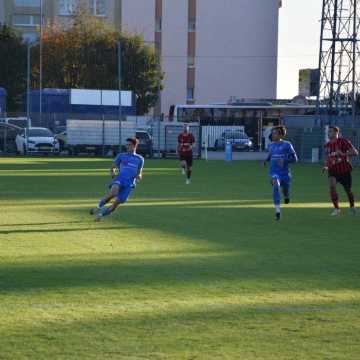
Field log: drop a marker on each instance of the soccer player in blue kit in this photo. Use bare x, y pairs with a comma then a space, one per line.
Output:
126, 171
281, 154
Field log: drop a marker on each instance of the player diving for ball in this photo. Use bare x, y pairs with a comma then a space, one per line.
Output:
126, 171
281, 154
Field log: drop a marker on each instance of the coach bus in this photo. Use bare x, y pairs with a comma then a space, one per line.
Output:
225, 114
253, 118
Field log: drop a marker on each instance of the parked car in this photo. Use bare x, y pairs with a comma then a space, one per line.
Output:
238, 139
8, 135
21, 122
145, 147
36, 140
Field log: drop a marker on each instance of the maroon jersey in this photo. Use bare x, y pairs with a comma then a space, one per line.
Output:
186, 140
335, 162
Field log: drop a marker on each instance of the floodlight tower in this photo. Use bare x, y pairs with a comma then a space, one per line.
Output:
339, 60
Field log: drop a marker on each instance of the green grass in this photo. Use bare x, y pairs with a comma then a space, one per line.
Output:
180, 272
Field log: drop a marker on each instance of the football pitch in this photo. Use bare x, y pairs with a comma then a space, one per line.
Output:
180, 272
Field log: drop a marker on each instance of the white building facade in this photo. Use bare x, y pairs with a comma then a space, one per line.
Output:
211, 50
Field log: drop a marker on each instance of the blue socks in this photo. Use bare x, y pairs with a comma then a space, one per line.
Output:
101, 203
106, 211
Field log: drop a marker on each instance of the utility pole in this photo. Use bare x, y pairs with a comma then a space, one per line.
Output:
41, 59
119, 87
158, 105
28, 81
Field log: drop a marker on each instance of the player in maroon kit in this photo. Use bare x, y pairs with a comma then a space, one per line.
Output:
338, 152
186, 142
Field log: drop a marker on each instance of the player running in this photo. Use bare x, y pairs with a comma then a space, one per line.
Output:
186, 142
126, 170
281, 154
338, 152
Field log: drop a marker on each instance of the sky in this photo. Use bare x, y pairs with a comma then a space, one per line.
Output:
299, 42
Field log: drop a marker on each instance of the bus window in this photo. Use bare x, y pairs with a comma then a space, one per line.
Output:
235, 114
185, 114
202, 114
220, 114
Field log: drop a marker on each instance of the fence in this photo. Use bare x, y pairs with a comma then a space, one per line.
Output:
309, 142
102, 136
308, 134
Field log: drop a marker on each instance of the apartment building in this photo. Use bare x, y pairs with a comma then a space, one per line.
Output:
210, 50
25, 14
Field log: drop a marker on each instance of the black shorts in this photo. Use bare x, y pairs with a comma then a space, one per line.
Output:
187, 158
345, 179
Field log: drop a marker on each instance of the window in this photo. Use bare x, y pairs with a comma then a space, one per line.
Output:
27, 3
235, 113
98, 7
191, 61
203, 114
190, 94
192, 25
186, 115
220, 114
30, 37
26, 20
158, 25
40, 133
68, 7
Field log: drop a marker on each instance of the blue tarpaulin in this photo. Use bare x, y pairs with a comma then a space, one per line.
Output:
58, 101
57, 107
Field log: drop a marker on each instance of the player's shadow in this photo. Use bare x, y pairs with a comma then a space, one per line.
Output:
181, 272
43, 223
65, 164
64, 229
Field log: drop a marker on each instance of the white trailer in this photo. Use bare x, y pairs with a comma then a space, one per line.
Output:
102, 136
97, 136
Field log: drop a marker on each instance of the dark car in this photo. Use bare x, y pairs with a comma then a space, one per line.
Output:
238, 139
145, 147
8, 135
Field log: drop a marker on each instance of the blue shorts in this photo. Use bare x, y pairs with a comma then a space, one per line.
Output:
124, 191
283, 179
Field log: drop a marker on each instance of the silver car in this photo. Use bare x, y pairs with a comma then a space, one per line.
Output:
238, 140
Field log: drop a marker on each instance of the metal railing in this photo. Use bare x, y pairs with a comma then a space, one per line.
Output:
307, 133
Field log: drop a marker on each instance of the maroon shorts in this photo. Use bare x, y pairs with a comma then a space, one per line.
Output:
188, 157
345, 179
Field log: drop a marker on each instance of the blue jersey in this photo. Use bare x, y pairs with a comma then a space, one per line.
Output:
281, 151
130, 166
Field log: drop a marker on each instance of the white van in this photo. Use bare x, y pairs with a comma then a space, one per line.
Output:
17, 121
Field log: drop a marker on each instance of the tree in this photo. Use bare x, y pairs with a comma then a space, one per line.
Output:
85, 55
12, 65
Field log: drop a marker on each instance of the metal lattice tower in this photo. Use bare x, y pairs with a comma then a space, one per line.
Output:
339, 60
